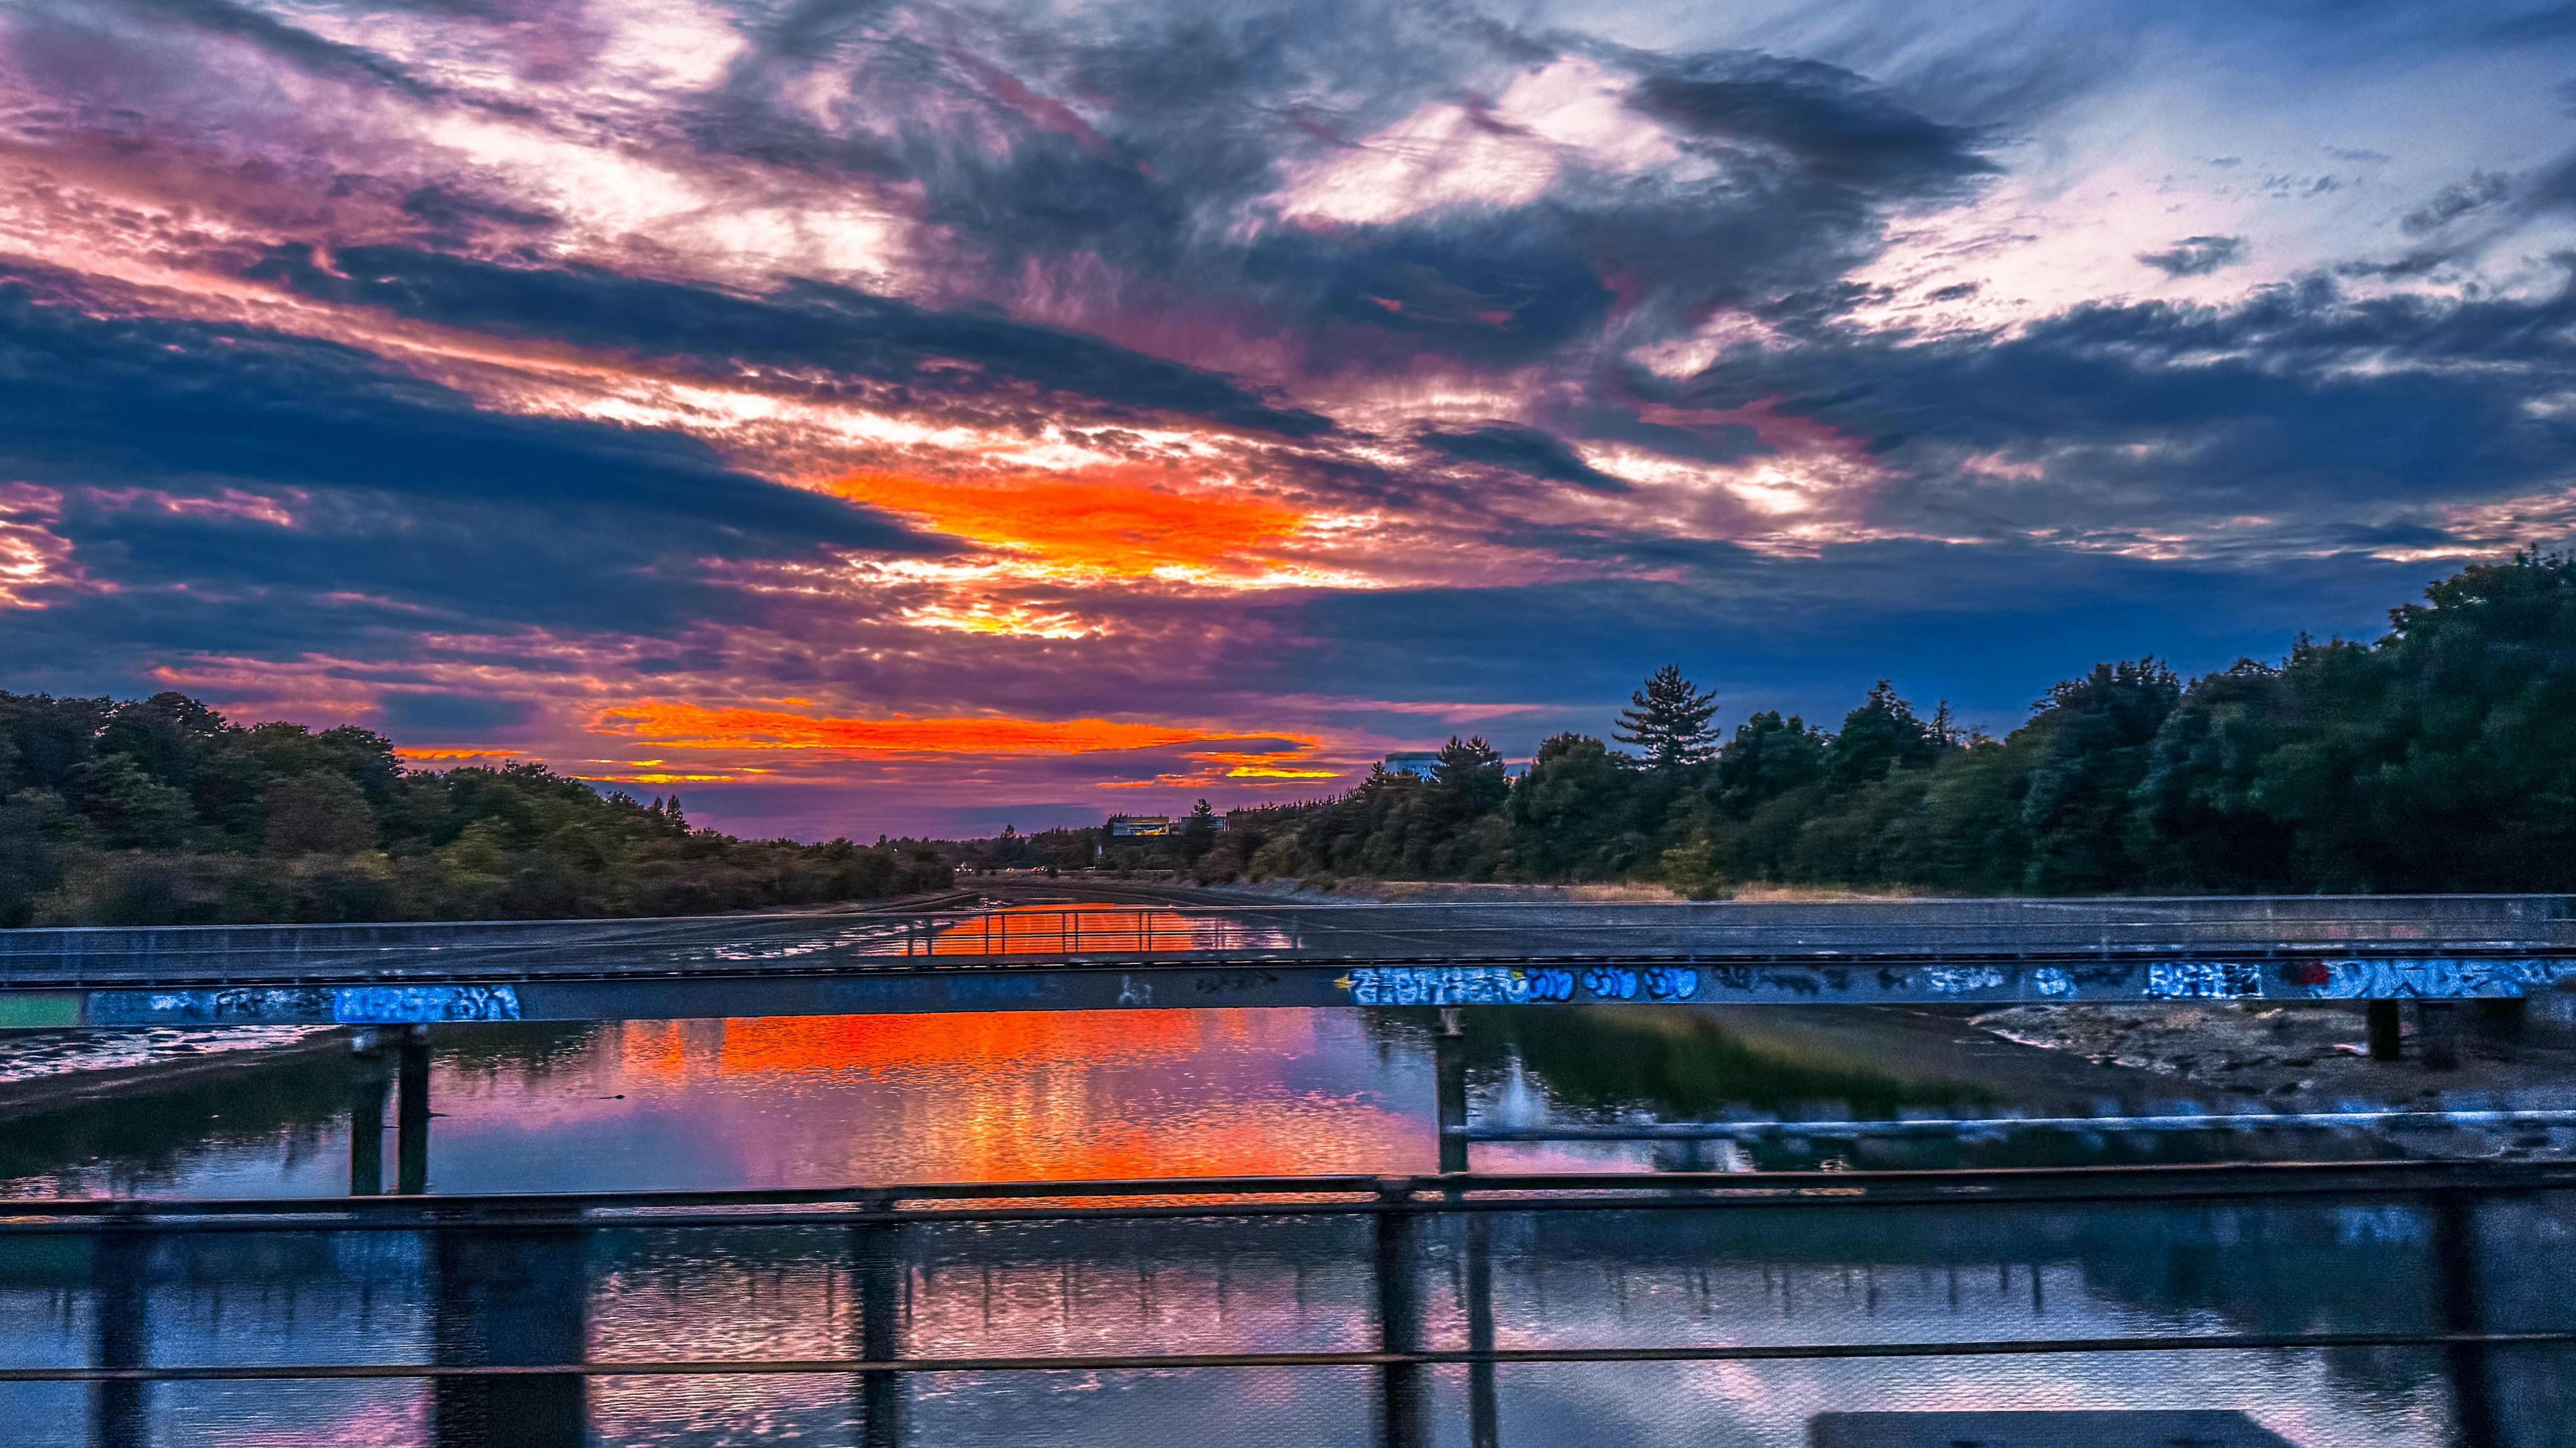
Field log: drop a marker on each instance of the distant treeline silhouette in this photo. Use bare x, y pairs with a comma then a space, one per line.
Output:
159, 811
2441, 757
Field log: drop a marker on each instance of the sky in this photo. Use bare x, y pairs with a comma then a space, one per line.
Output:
873, 416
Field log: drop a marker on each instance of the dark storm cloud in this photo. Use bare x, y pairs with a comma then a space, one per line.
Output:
1830, 121
2171, 419
1523, 450
125, 401
2195, 256
803, 326
299, 47
411, 714
176, 445
2479, 190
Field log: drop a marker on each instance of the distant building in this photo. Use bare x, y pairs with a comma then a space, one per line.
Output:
1427, 766
1132, 827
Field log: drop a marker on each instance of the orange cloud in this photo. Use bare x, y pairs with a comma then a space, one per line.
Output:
675, 725
452, 756
1123, 521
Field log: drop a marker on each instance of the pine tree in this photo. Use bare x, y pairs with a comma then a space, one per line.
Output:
1669, 721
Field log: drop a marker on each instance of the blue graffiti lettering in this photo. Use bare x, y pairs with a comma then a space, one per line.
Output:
1672, 983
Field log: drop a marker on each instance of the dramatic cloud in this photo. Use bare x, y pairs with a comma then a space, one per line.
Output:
2196, 256
896, 417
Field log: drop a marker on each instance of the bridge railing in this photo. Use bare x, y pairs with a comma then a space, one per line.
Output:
1130, 934
2431, 1285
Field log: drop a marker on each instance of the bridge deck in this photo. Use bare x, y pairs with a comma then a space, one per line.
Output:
1152, 955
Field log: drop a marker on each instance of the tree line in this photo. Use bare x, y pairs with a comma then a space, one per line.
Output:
159, 811
2438, 757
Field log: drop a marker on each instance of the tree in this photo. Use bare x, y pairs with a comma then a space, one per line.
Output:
1884, 733
1470, 775
1668, 719
1198, 832
1768, 757
318, 813
2093, 737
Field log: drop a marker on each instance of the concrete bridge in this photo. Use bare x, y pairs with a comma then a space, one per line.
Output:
998, 956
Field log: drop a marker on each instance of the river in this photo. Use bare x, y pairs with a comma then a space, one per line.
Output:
1011, 1097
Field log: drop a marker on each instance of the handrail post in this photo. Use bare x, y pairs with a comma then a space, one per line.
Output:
1482, 1428
1404, 1398
879, 1271
2463, 1313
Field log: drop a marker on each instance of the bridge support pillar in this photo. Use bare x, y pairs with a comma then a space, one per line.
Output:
120, 1290
367, 1095
411, 1114
2387, 1030
1404, 1390
2437, 1034
1449, 1063
515, 1297
877, 1270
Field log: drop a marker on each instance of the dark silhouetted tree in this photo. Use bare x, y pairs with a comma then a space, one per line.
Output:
1668, 721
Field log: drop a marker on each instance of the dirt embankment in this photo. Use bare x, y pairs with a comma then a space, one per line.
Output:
2311, 1056
179, 1062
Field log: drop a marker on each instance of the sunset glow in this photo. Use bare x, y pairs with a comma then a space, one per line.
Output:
1156, 404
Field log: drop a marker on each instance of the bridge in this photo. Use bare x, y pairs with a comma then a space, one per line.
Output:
1160, 955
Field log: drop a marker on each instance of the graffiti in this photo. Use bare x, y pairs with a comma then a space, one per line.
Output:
1131, 993
1550, 985
278, 1005
1611, 982
375, 1005
1005, 988
1458, 985
2428, 979
2048, 980
364, 1005
1672, 983
1461, 985
2204, 980
1949, 979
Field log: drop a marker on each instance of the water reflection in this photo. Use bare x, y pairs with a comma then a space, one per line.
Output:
1084, 928
831, 1101
815, 1101
1751, 1276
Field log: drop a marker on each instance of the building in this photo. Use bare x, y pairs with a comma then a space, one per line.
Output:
1427, 766
1133, 827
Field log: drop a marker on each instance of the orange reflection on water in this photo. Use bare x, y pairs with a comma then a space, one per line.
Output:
967, 1044
1024, 1096
1073, 930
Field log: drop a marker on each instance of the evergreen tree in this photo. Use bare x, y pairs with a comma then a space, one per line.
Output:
1884, 733
1470, 775
1668, 719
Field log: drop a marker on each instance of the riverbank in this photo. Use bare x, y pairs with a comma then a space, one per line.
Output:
48, 1071
2306, 1056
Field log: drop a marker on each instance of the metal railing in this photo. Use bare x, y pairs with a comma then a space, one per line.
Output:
1403, 1341
1856, 932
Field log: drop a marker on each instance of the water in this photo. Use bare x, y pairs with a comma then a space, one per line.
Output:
832, 1102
